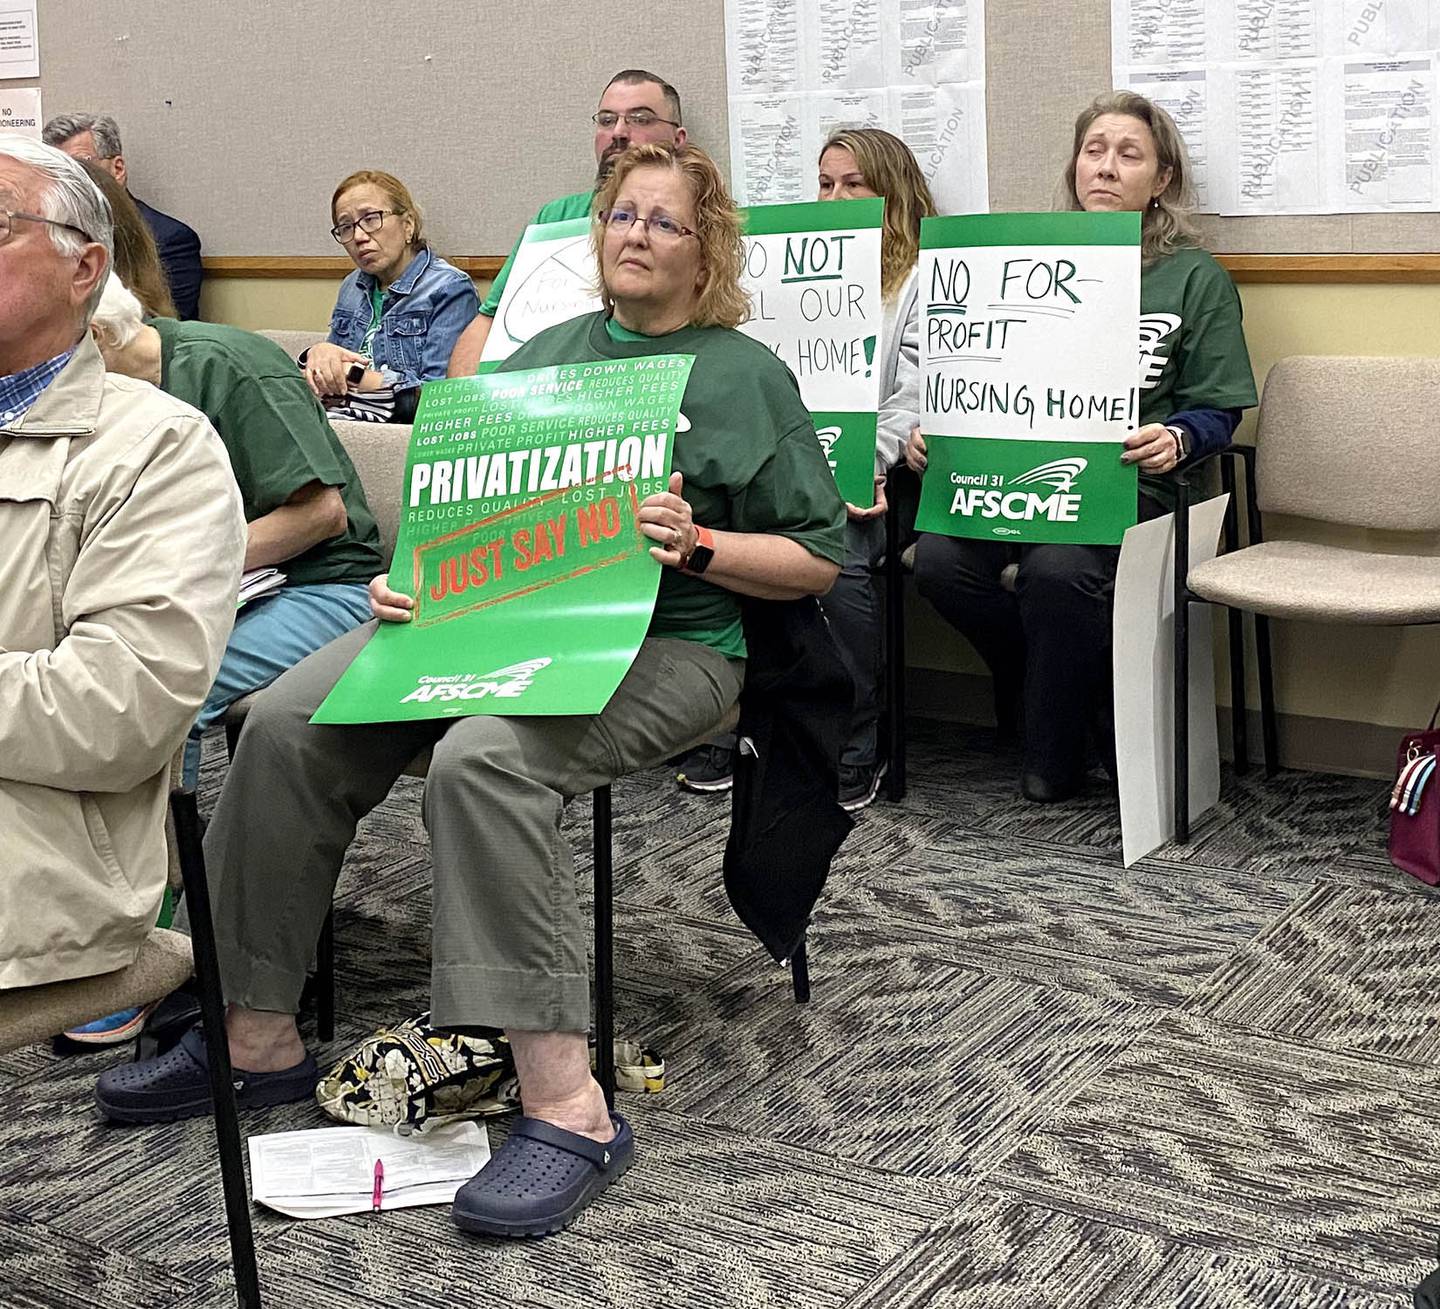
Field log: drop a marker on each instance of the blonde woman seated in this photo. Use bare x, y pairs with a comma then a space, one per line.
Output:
752, 510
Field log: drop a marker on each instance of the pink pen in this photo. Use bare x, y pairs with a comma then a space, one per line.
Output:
379, 1185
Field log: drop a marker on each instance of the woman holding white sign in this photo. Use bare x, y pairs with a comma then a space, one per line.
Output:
751, 510
859, 163
1047, 642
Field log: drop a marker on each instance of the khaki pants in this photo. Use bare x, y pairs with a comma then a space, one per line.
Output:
508, 941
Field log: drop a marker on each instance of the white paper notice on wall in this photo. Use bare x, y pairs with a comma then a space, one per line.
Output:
19, 40
20, 110
799, 69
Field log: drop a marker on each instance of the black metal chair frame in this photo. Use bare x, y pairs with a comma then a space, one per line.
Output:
222, 1089
894, 574
1229, 458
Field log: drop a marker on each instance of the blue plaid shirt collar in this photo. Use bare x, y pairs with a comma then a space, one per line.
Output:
20, 390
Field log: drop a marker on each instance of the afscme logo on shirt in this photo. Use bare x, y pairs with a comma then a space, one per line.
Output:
1046, 491
504, 683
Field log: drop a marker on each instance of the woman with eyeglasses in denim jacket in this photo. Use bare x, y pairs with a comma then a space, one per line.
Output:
399, 313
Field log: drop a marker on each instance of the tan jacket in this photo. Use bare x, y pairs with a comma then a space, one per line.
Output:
121, 543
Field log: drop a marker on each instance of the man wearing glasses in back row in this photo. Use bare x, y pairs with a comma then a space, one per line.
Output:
637, 108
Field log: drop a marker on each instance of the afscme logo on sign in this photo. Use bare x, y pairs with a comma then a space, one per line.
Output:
504, 683
1056, 501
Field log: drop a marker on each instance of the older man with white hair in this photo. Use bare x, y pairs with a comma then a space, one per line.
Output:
121, 540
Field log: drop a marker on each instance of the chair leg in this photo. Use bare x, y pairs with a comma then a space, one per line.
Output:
894, 659
227, 1122
1181, 584
1239, 710
325, 980
1182, 720
1268, 725
604, 945
800, 974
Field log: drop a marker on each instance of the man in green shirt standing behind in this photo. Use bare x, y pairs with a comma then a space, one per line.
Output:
636, 108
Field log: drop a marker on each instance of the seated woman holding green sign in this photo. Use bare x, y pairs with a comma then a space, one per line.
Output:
856, 163
751, 510
1047, 644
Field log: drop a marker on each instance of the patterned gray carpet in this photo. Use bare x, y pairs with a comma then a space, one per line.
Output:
1029, 1079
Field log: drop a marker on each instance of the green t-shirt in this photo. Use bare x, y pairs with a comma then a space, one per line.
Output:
276, 435
557, 211
745, 446
1192, 346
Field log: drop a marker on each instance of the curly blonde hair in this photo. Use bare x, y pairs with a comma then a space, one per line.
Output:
890, 170
1166, 225
722, 302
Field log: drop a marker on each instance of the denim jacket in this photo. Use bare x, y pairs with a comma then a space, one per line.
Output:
424, 310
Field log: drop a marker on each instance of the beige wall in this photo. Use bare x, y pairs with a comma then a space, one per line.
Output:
1375, 675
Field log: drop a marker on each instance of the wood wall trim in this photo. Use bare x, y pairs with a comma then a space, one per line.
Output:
1396, 268
1410, 268
290, 266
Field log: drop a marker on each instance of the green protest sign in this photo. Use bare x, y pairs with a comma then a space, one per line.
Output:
551, 281
520, 544
1031, 374
813, 274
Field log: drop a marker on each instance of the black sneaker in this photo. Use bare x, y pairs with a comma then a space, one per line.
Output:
708, 769
859, 786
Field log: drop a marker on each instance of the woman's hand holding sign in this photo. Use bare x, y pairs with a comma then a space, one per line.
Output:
665, 517
387, 605
915, 457
1153, 447
876, 510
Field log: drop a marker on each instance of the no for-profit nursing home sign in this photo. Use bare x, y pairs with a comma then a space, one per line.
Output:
1030, 380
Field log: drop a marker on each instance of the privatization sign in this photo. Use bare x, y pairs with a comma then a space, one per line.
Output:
813, 274
520, 543
1028, 351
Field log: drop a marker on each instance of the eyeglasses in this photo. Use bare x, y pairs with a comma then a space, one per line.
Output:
371, 222
8, 217
607, 118
659, 226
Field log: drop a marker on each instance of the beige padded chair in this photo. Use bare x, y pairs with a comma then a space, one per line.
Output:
292, 340
1342, 442
1346, 441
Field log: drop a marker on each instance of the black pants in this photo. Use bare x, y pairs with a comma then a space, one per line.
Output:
1047, 645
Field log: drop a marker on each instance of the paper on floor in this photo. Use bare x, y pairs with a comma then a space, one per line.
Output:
327, 1171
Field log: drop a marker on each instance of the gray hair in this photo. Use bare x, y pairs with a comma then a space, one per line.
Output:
118, 317
68, 196
105, 130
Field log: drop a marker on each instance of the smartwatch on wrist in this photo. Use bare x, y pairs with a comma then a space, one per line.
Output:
355, 374
703, 551
1182, 441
